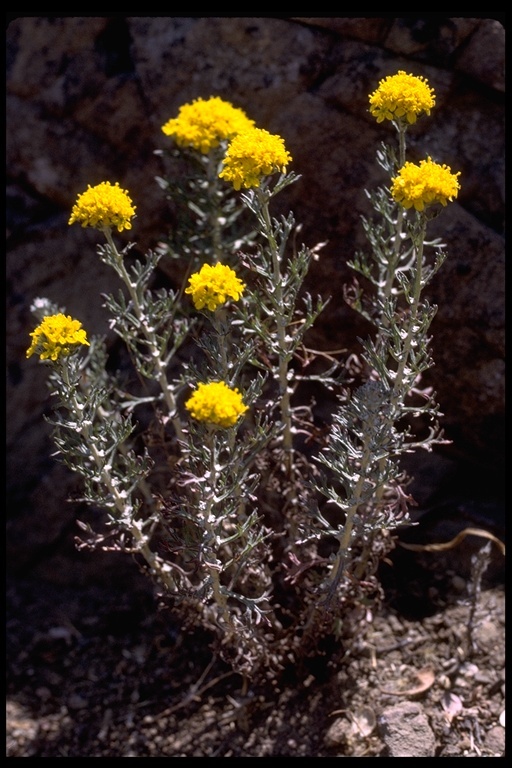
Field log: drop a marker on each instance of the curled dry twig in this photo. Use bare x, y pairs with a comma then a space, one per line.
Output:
456, 540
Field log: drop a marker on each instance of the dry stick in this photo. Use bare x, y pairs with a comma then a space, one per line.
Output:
480, 562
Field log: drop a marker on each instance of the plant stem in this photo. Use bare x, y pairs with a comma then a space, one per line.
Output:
212, 175
345, 535
393, 263
284, 354
214, 568
219, 322
155, 352
121, 500
409, 333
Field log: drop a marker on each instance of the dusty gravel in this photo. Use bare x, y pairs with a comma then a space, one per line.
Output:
104, 673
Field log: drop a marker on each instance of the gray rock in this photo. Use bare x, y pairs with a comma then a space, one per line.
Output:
406, 732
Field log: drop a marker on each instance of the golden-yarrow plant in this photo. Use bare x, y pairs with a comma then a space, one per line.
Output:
364, 485
202, 471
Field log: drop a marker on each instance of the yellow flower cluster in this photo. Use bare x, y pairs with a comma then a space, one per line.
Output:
213, 286
417, 186
216, 403
204, 123
56, 336
102, 206
401, 95
252, 155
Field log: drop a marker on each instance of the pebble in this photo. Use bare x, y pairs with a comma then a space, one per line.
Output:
76, 701
494, 741
406, 732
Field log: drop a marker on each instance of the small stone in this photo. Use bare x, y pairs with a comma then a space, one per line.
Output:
487, 635
338, 732
76, 701
494, 741
458, 583
406, 732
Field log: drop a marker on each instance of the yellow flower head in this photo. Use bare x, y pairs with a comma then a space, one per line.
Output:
103, 206
402, 95
213, 286
252, 155
56, 336
204, 123
417, 186
215, 403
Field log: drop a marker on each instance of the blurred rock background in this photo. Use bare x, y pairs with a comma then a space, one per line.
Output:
86, 98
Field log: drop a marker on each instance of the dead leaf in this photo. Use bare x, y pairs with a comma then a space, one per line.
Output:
426, 678
452, 705
364, 720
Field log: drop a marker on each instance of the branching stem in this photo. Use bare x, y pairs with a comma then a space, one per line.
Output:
155, 352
